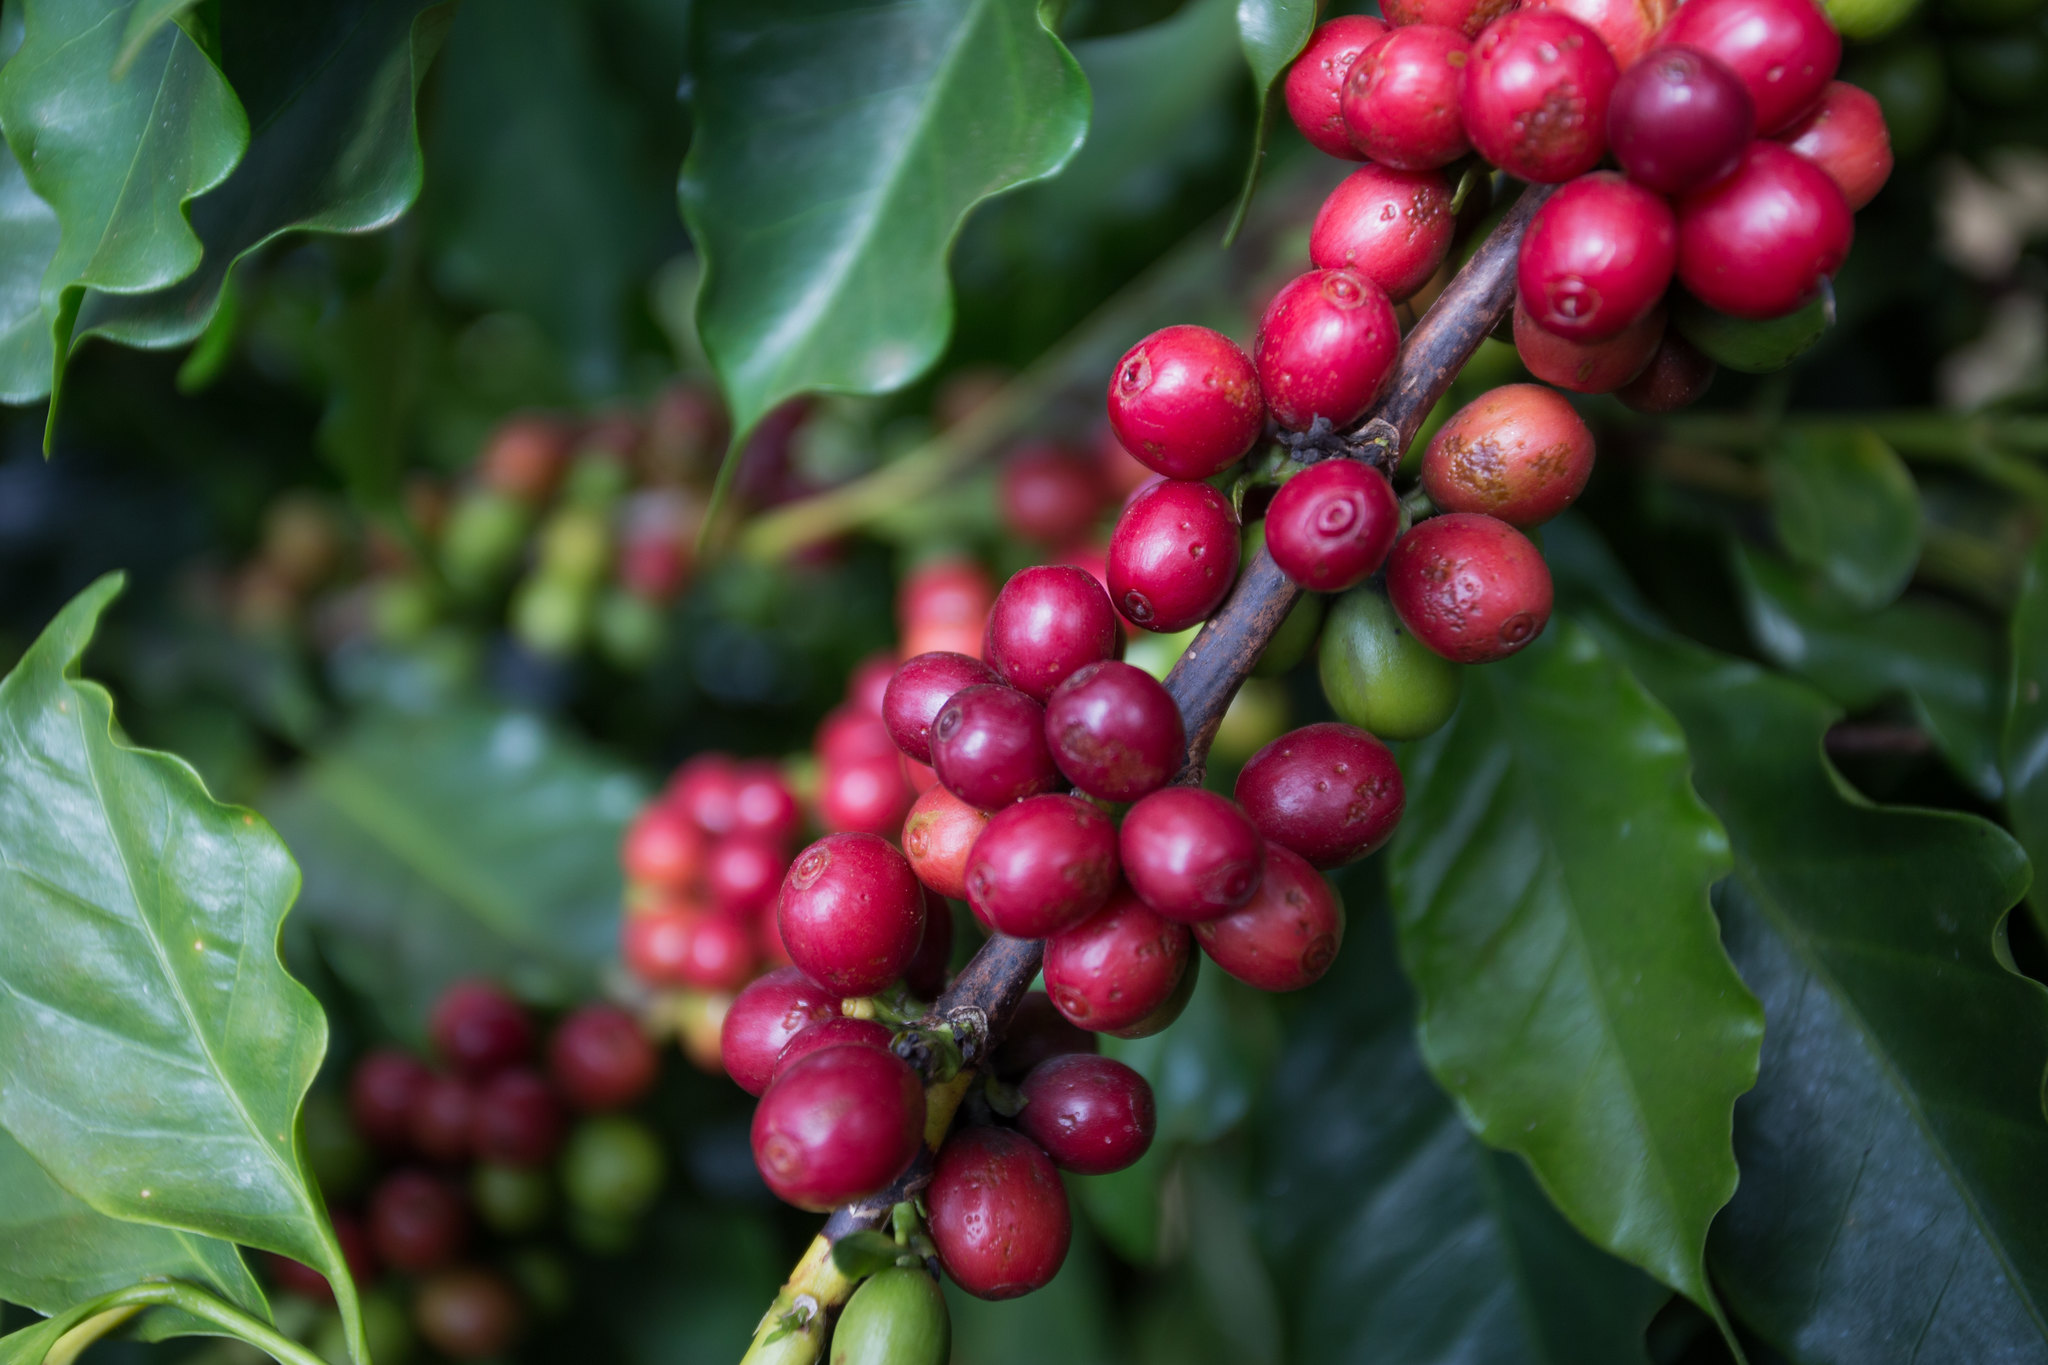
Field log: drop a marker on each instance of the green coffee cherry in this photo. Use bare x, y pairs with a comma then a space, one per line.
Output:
385, 1326
896, 1317
1862, 20
612, 1167
596, 479
403, 609
629, 629
576, 545
482, 540
1379, 677
511, 1199
1753, 347
551, 615
1291, 642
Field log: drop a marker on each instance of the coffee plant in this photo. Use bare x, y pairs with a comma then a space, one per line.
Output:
1151, 681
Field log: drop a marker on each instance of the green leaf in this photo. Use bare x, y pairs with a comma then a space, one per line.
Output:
1847, 511
28, 239
1272, 33
157, 1050
145, 21
1550, 888
1942, 659
1394, 1234
837, 149
864, 1251
2024, 749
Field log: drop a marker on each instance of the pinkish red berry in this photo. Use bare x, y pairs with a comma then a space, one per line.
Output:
865, 796
1597, 258
1326, 345
838, 1031
1679, 120
851, 913
1287, 936
999, 1215
1186, 402
600, 1059
1091, 1115
1393, 227
1046, 493
988, 747
1047, 622
1042, 865
920, 689
1534, 99
1785, 51
938, 835
1330, 526
442, 1119
1519, 452
772, 1010
1466, 16
705, 789
663, 849
762, 803
1190, 854
851, 733
1400, 101
743, 873
1174, 555
1315, 83
1329, 792
1845, 136
1587, 367
1114, 731
1118, 967
1469, 587
1628, 27
1760, 243
838, 1125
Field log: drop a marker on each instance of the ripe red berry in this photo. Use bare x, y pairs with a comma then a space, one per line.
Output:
442, 1119
600, 1059
1091, 1115
706, 789
1519, 452
926, 975
1190, 854
1037, 1031
1583, 366
1287, 936
763, 805
1466, 16
867, 796
1117, 967
416, 1221
683, 946
999, 1215
1676, 377
468, 1314
1534, 99
850, 733
1047, 622
517, 1121
743, 873
838, 1125
772, 1010
1325, 347
920, 689
1315, 83
1114, 731
1469, 587
1628, 27
865, 688
838, 1031
942, 606
1784, 51
663, 849
1400, 102
1330, 526
382, 1092
1042, 865
1394, 227
988, 747
851, 913
938, 835
478, 1029
1046, 493
1329, 792
1846, 137
1679, 120
1174, 555
1186, 402
1759, 243
1597, 257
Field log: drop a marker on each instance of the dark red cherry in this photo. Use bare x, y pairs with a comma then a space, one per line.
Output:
988, 747
1285, 937
1047, 622
600, 1059
1042, 865
1679, 120
1174, 555
1116, 968
1784, 51
920, 689
1760, 243
772, 1010
1190, 854
851, 913
1114, 731
1597, 258
1091, 1115
1329, 792
1186, 402
999, 1215
1469, 587
478, 1029
1330, 526
1326, 345
838, 1125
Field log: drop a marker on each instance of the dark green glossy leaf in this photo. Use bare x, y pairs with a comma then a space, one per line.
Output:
1847, 510
1394, 1234
1071, 1320
1942, 659
145, 21
28, 239
1550, 887
1272, 33
2025, 747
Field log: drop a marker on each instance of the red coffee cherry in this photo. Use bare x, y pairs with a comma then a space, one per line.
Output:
1190, 854
999, 1215
1400, 101
1329, 792
851, 913
1047, 622
1046, 493
850, 733
1466, 16
683, 946
1676, 377
1176, 1003
988, 747
600, 1060
443, 1117
1582, 366
706, 789
1846, 137
918, 691
1287, 936
1469, 587
937, 837
743, 873
943, 597
1042, 865
838, 1125
865, 688
1114, 732
1037, 1031
866, 796
663, 849
1759, 243
926, 975
468, 1314
517, 1121
417, 1221
763, 805
1330, 526
1785, 51
838, 1031
1117, 967
1628, 27
382, 1093
1535, 96
1519, 452
1393, 227
1186, 402
772, 1010
1091, 1115
1679, 120
1174, 555
1597, 257
1325, 346
478, 1029
525, 457
1315, 83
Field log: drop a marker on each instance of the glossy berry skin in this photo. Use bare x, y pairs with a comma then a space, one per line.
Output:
1628, 27
1470, 587
417, 1221
838, 1125
1784, 51
1676, 377
866, 796
1400, 101
920, 689
1679, 119
1394, 227
1185, 401
1042, 865
517, 1121
1045, 493
851, 913
926, 975
988, 747
1047, 622
772, 1010
663, 849
1037, 1031
1597, 257
1535, 96
468, 1314
1117, 967
1315, 83
1466, 16
1846, 137
763, 805
1587, 367
1759, 243
1091, 1115
599, 1059
999, 1215
1114, 731
1325, 346
938, 835
1328, 792
1519, 452
839, 1031
442, 1119
1190, 854
743, 873
478, 1029
382, 1091
1174, 555
1330, 526
1287, 936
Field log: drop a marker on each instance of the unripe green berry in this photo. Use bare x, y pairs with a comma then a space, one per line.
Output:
551, 615
482, 540
896, 1317
576, 545
1379, 677
612, 1167
629, 629
511, 1199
